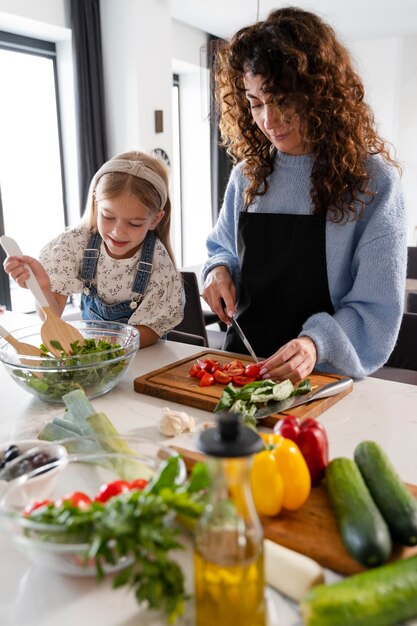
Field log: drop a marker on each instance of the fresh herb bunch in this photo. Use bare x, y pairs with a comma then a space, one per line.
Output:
55, 384
248, 399
135, 525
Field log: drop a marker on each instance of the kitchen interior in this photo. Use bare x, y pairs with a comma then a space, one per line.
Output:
144, 44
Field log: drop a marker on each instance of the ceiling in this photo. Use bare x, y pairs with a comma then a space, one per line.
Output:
352, 19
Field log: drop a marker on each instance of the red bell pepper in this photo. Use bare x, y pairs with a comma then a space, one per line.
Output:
311, 438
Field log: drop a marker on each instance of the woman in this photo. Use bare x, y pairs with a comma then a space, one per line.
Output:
309, 250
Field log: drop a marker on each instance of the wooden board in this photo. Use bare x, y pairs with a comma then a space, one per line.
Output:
312, 529
173, 383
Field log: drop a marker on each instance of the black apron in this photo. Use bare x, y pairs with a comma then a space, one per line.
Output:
283, 268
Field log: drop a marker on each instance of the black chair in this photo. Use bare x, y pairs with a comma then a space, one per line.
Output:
402, 363
411, 296
194, 323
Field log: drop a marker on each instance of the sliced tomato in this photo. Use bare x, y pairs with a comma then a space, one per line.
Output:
242, 380
252, 370
211, 365
35, 505
206, 380
201, 374
139, 483
75, 498
194, 370
110, 490
222, 377
235, 368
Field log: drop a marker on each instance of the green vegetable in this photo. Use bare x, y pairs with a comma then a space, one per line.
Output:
384, 596
55, 382
394, 500
248, 399
362, 527
136, 524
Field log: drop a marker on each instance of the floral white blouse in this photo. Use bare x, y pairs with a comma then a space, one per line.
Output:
162, 306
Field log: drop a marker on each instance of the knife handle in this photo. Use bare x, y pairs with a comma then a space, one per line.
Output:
331, 389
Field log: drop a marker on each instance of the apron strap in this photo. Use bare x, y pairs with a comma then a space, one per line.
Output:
90, 257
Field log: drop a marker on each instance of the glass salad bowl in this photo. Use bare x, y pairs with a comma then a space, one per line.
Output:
97, 372
95, 478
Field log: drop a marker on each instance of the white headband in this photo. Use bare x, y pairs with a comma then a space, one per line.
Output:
135, 168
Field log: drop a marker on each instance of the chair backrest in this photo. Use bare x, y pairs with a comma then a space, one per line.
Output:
193, 322
404, 354
412, 262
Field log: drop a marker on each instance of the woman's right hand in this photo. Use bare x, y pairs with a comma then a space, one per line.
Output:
17, 267
219, 292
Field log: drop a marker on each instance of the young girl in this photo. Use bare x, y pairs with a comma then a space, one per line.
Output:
119, 258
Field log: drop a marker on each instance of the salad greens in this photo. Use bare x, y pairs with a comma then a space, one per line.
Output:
135, 524
248, 399
85, 368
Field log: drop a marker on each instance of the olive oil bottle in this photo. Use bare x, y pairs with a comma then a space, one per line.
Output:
228, 546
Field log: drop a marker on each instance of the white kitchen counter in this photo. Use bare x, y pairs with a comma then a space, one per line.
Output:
30, 596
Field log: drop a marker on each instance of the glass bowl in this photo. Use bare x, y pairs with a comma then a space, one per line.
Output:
51, 546
49, 378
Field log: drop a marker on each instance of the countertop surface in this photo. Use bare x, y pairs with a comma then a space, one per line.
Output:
376, 409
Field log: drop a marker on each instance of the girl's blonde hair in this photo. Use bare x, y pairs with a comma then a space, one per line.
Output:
112, 184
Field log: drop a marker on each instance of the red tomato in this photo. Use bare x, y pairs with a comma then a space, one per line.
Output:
139, 483
221, 377
235, 368
35, 505
242, 380
206, 380
76, 498
194, 370
252, 370
211, 365
112, 489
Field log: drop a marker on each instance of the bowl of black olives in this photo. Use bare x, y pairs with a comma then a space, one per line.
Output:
21, 457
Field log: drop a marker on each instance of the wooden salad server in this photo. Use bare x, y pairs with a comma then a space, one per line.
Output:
20, 346
53, 327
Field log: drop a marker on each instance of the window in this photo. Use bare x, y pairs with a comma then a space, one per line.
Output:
176, 179
32, 193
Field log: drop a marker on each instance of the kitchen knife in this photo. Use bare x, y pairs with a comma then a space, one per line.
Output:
243, 338
331, 389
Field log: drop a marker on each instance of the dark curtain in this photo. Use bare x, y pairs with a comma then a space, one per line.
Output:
220, 162
89, 91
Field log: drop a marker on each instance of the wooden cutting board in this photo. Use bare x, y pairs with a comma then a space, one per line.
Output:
311, 529
173, 383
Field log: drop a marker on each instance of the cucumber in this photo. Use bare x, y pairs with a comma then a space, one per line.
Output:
364, 531
383, 596
397, 505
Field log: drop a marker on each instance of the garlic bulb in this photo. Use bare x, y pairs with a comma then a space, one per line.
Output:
173, 423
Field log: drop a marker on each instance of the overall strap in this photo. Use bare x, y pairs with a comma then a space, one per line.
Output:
90, 257
145, 265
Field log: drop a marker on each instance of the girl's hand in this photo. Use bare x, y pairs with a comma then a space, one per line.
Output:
294, 360
219, 288
17, 267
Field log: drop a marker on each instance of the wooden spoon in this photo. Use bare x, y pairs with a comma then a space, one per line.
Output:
20, 346
53, 328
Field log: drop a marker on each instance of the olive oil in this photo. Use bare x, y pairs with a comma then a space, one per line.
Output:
229, 581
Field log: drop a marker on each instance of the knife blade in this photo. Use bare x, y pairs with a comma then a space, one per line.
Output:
243, 338
331, 389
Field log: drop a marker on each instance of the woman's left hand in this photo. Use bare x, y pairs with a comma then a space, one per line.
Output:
294, 360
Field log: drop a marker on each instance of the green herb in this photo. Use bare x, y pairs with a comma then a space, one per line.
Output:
75, 371
136, 525
248, 399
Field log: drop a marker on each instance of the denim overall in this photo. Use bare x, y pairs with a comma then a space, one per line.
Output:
92, 308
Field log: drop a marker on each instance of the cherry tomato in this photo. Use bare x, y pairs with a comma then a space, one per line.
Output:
221, 377
35, 505
235, 368
206, 380
139, 483
112, 489
194, 370
76, 499
252, 370
211, 365
242, 380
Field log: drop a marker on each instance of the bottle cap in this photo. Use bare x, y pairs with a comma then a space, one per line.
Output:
229, 438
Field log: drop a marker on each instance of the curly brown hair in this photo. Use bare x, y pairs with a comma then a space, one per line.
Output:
305, 65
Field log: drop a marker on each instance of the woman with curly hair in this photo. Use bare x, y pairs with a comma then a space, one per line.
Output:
309, 251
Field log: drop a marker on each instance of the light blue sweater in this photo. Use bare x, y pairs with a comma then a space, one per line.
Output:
366, 261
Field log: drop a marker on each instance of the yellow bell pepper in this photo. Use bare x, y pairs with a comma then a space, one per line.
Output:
266, 484
279, 477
